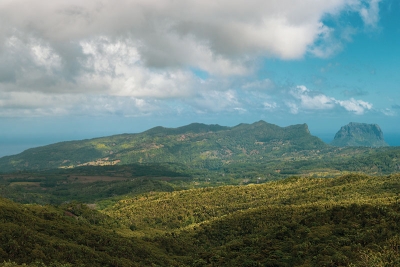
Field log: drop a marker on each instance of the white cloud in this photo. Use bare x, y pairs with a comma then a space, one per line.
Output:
329, 44
44, 56
65, 51
270, 105
370, 12
209, 35
119, 67
356, 106
311, 100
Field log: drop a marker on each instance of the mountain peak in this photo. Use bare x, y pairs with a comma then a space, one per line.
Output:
192, 128
359, 134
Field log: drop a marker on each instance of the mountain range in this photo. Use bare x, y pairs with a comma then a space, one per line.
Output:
195, 144
282, 150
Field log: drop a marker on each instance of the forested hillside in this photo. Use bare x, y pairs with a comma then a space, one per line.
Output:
352, 220
241, 152
50, 235
197, 145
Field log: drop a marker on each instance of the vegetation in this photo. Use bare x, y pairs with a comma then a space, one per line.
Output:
352, 220
197, 150
201, 195
46, 234
359, 134
197, 145
103, 185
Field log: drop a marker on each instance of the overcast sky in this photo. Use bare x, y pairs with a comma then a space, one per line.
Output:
80, 69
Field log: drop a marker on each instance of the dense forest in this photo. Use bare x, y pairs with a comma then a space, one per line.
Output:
351, 220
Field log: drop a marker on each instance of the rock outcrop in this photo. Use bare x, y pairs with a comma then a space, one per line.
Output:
359, 134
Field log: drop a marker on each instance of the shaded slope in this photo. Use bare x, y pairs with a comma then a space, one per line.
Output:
355, 235
35, 233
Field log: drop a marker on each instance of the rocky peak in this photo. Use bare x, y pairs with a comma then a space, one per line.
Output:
359, 134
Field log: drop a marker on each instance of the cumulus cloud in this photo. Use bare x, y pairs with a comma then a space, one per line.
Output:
205, 35
145, 50
312, 100
356, 106
225, 27
118, 66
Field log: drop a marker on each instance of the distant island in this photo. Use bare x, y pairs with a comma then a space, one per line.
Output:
359, 134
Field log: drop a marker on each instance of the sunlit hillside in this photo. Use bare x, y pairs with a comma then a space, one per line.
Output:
351, 220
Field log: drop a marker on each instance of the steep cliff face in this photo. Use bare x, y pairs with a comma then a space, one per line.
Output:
359, 134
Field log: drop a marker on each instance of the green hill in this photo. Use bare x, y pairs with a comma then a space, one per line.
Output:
351, 220
181, 208
196, 145
222, 154
54, 236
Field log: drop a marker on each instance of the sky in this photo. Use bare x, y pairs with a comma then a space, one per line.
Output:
82, 69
